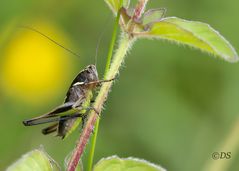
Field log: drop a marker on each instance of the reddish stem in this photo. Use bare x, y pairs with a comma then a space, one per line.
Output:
139, 9
85, 135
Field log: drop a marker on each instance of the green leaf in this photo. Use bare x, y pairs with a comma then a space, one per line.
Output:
115, 163
114, 5
195, 34
37, 160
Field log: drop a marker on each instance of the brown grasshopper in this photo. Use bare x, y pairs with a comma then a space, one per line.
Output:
74, 109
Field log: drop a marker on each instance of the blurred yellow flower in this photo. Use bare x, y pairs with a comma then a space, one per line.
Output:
33, 68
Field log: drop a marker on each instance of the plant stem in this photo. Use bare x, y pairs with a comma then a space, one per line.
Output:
112, 43
139, 9
107, 66
93, 144
124, 45
138, 12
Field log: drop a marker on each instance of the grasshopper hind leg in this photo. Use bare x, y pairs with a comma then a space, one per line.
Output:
50, 129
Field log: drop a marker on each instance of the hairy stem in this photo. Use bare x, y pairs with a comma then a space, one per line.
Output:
124, 45
107, 66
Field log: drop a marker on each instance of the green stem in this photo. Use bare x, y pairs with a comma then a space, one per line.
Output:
107, 66
124, 45
93, 144
112, 43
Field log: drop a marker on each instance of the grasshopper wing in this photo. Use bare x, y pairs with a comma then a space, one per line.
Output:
53, 116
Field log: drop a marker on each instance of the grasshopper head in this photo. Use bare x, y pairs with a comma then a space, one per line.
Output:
91, 73
87, 75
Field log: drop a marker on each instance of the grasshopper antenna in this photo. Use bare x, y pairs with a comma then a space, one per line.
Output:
55, 42
99, 40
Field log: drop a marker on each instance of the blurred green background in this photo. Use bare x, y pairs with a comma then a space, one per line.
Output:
171, 105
